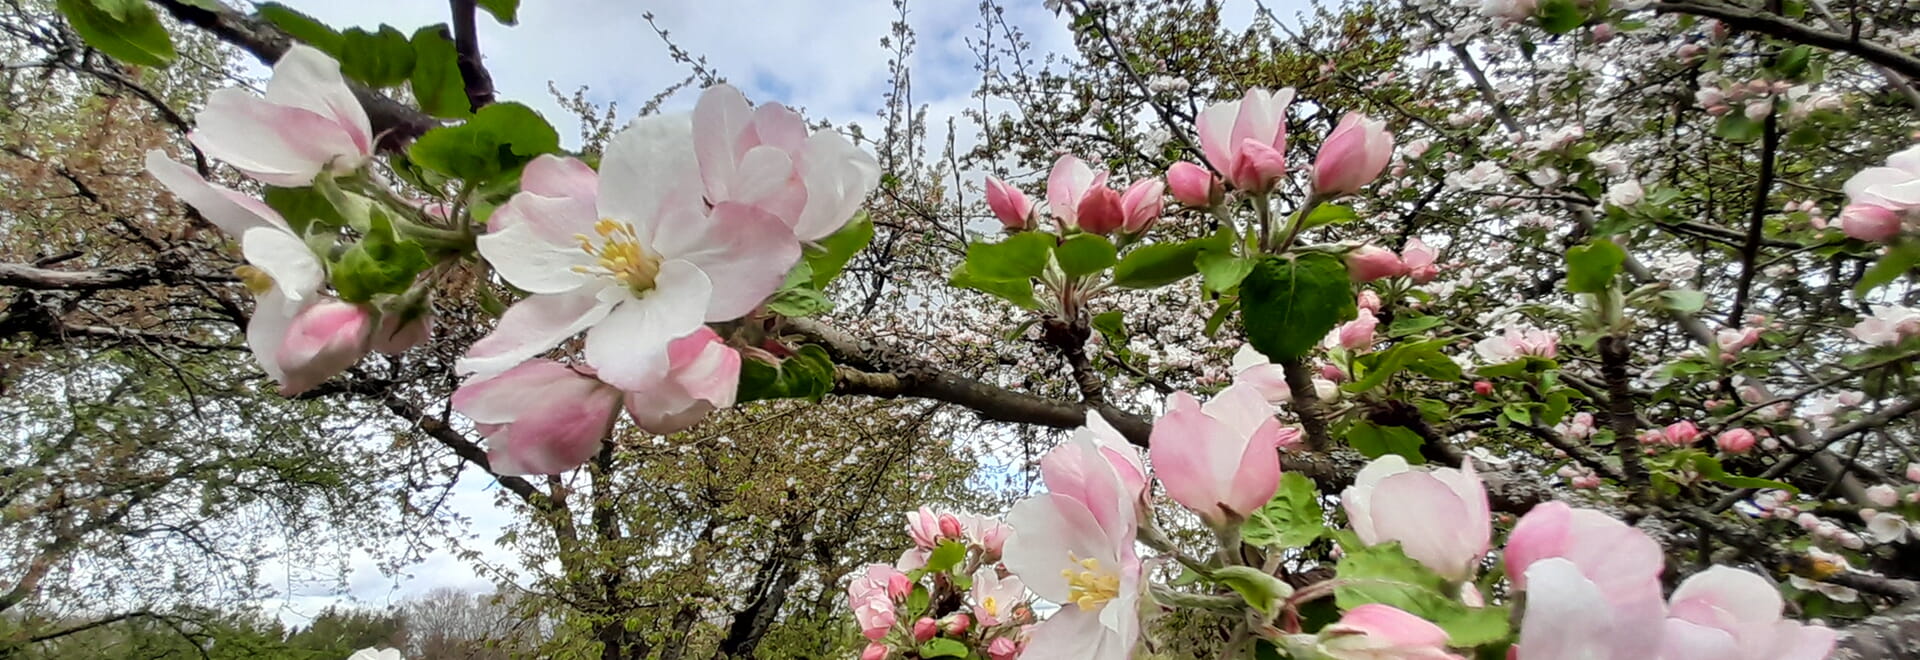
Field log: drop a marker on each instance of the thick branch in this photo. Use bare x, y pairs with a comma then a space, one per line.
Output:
1621, 417
1306, 404
1751, 20
30, 277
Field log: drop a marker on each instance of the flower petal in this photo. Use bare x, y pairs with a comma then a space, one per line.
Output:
649, 170
744, 251
629, 346
838, 177
530, 327
285, 258
521, 254
231, 211
307, 78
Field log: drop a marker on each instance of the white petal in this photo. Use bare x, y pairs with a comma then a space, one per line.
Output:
267, 329
650, 168
286, 258
838, 176
629, 347
307, 78
528, 261
529, 328
227, 209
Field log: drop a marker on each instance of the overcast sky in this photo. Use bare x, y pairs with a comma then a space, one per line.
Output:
823, 56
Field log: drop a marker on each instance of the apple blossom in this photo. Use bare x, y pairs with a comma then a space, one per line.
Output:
1913, 472
1068, 186
1218, 459
764, 158
1418, 260
1885, 526
1368, 263
1100, 211
1681, 433
994, 597
871, 599
1246, 140
1512, 11
540, 417
1002, 648
1357, 335
1352, 156
1440, 517
1883, 496
1619, 563
1010, 205
1252, 369
1075, 546
1733, 340
1870, 222
1141, 205
309, 123
1724, 612
1518, 342
1382, 632
637, 263
989, 533
925, 629
1735, 441
876, 651
703, 375
1894, 186
1193, 186
1368, 300
1625, 193
321, 341
923, 527
1889, 325
1568, 614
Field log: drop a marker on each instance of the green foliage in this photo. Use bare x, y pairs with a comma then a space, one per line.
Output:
1374, 441
941, 647
126, 30
497, 142
1220, 272
302, 27
504, 11
946, 557
1592, 268
1006, 269
1560, 16
1330, 214
1384, 574
832, 254
381, 262
807, 374
1423, 357
1288, 304
1085, 254
379, 59
1901, 258
1160, 264
1260, 589
436, 82
1292, 519
303, 208
1737, 128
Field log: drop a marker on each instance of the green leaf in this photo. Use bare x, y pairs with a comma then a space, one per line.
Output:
1710, 468
1260, 589
1330, 214
835, 251
1018, 292
1112, 326
1374, 441
1292, 519
1220, 272
1160, 264
127, 31
1560, 16
918, 601
1017, 258
302, 27
1792, 62
1900, 259
1686, 301
379, 263
1385, 574
504, 11
801, 301
498, 140
1289, 304
303, 208
1591, 268
1220, 315
1407, 325
943, 559
1085, 254
942, 647
807, 374
436, 81
379, 59
1736, 127
1475, 626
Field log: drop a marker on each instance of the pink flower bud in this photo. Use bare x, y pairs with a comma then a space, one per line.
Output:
1681, 434
1368, 263
1709, 97
1883, 496
1353, 156
1257, 166
1913, 472
1368, 300
1194, 186
1141, 205
1602, 33
925, 629
1001, 648
899, 588
1651, 437
1868, 222
321, 341
950, 527
1759, 109
1100, 211
398, 332
1010, 205
1483, 388
1332, 372
924, 527
876, 651
1688, 51
1585, 481
1735, 441
956, 624
1357, 335
1808, 521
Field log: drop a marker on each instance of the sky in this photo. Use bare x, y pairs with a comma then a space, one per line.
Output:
821, 56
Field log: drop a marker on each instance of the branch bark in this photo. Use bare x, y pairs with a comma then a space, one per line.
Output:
1752, 20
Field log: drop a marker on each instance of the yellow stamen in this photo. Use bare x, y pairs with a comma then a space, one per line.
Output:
257, 281
617, 247
1090, 588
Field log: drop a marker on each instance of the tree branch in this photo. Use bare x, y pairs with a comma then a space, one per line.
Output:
1774, 25
466, 41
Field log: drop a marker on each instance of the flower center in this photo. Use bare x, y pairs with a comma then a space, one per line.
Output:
257, 281
620, 255
991, 605
1091, 587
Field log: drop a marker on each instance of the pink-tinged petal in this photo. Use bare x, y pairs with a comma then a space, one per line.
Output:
500, 399
1128, 466
766, 179
1100, 211
306, 78
531, 327
838, 177
719, 118
1078, 634
1067, 184
777, 126
1393, 625
1257, 167
1051, 531
1080, 469
323, 340
1680, 640
1884, 186
560, 176
1189, 450
1566, 616
1907, 159
232, 212
1792, 640
1241, 408
1745, 597
744, 251
1263, 118
1466, 485
285, 258
276, 144
1215, 126
1192, 185
560, 429
1540, 534
629, 346
647, 172
1430, 522
706, 367
555, 220
526, 260
273, 312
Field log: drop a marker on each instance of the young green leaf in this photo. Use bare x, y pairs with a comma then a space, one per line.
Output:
1591, 268
498, 140
127, 31
436, 82
835, 251
1085, 254
1289, 304
807, 374
1292, 519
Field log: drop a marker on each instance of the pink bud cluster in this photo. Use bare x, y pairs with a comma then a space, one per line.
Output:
1415, 261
